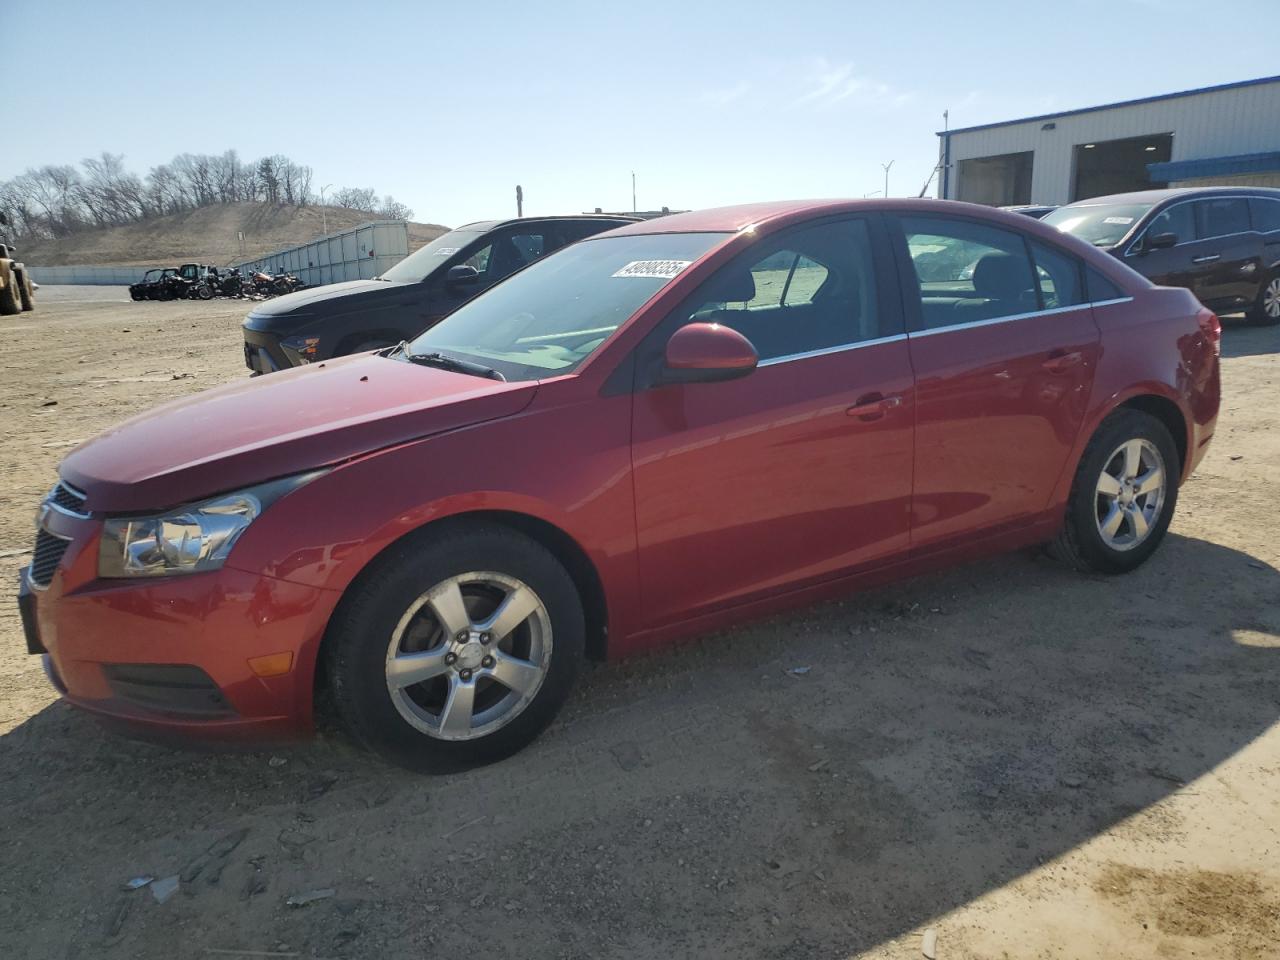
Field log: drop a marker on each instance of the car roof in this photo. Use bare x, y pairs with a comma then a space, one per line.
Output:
781, 212
484, 226
1156, 196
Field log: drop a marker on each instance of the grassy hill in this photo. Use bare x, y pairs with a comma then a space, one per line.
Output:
207, 235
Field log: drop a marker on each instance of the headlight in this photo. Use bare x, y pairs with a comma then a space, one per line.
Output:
302, 349
190, 539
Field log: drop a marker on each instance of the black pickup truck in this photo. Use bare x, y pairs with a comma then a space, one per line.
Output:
427, 285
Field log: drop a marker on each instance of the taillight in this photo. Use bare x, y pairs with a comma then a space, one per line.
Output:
1211, 327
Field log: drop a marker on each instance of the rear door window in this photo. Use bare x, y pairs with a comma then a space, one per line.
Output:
1266, 214
1058, 275
966, 272
1221, 217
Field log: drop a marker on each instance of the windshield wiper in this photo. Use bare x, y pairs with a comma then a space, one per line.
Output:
446, 362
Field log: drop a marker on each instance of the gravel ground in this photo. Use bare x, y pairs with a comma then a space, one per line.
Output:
1009, 758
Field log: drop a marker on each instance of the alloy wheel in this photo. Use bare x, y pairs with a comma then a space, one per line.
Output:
1130, 494
469, 655
1271, 299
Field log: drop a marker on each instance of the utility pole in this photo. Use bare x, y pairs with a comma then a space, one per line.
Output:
324, 215
634, 208
519, 201
886, 176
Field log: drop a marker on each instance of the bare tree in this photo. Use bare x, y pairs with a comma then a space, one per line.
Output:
393, 209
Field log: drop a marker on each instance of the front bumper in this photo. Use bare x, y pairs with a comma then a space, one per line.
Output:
171, 656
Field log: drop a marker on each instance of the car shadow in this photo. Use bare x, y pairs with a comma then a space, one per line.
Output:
1243, 339
813, 785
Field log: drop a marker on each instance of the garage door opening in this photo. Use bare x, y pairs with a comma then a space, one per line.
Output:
998, 181
1118, 166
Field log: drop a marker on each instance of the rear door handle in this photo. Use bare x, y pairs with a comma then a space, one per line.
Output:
1063, 362
873, 406
1207, 258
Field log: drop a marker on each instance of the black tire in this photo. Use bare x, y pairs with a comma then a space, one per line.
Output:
1081, 543
164, 293
1265, 311
135, 295
359, 640
24, 289
203, 291
10, 299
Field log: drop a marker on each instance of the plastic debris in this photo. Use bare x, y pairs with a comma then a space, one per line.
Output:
277, 762
929, 945
311, 896
137, 883
162, 890
799, 671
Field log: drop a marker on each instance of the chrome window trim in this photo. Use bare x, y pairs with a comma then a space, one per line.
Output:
1130, 252
1016, 316
786, 358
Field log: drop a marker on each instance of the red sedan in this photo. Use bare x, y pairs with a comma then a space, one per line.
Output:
655, 432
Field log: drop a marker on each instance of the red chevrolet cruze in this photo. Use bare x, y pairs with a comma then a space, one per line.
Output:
652, 433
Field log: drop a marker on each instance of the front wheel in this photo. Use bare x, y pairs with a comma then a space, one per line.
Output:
1123, 497
457, 648
25, 293
203, 291
1266, 309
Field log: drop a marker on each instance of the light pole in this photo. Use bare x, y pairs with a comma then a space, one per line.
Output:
886, 176
324, 216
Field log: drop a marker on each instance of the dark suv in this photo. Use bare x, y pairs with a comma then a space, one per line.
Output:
1221, 243
427, 285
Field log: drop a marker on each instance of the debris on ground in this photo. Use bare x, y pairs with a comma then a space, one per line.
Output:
310, 896
162, 890
929, 944
136, 883
799, 671
277, 762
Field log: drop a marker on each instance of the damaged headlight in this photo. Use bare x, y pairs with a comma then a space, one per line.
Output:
188, 539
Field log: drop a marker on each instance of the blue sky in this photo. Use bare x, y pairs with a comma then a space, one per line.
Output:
449, 105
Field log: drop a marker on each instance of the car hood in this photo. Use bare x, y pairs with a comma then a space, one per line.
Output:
257, 429
303, 299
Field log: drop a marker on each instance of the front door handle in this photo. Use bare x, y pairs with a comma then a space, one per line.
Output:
1063, 362
873, 406
1207, 258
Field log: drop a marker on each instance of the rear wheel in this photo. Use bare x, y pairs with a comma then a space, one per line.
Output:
1123, 497
203, 291
1266, 309
457, 649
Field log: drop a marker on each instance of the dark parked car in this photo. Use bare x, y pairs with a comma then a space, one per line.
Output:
145, 288
653, 433
1221, 243
429, 284
1037, 211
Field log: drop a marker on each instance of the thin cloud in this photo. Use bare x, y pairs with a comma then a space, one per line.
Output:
830, 83
725, 95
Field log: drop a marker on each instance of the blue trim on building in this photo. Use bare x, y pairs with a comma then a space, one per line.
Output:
1112, 106
1172, 170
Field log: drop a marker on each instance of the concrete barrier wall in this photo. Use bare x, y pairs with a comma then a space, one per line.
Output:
105, 276
356, 254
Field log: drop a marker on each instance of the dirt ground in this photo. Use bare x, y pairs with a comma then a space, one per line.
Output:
1010, 759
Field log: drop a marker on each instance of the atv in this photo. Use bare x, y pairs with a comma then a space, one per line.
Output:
17, 292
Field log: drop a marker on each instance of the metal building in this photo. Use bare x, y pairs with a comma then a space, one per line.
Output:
1228, 134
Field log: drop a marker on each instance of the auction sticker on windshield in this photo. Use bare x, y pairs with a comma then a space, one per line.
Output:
657, 269
445, 251
1120, 221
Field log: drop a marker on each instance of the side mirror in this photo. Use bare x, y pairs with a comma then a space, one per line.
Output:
1161, 241
461, 276
707, 353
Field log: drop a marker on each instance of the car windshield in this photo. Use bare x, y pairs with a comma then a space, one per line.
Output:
548, 318
1102, 224
418, 264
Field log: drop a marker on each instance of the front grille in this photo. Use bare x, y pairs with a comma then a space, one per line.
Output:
46, 557
69, 498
